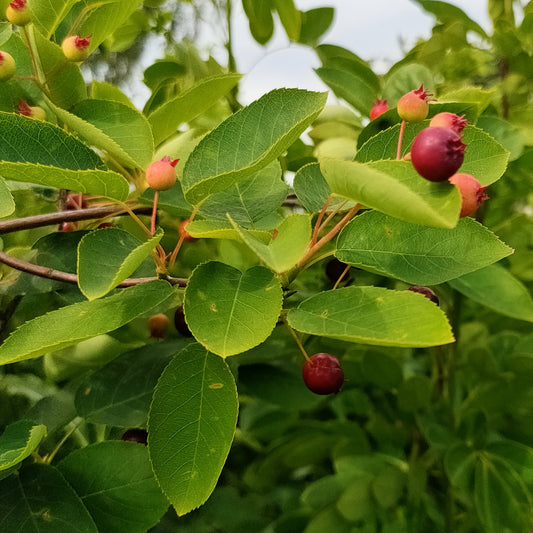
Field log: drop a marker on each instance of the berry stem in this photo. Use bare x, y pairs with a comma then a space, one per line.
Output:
180, 241
344, 272
318, 222
400, 139
298, 342
154, 213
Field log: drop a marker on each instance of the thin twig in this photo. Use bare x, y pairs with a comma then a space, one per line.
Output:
59, 275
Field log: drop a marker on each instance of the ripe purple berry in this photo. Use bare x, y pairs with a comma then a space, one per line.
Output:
136, 435
180, 324
437, 153
425, 291
472, 193
322, 374
413, 106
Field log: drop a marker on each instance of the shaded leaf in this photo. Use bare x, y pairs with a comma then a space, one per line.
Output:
18, 441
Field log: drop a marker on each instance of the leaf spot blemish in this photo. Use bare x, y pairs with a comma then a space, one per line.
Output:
216, 386
324, 313
87, 391
213, 307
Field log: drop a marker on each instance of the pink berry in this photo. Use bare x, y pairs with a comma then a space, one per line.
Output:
380, 106
413, 106
27, 110
472, 193
18, 13
76, 48
425, 291
161, 175
7, 66
437, 153
322, 374
184, 233
449, 120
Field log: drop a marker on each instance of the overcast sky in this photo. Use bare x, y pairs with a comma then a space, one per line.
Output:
373, 29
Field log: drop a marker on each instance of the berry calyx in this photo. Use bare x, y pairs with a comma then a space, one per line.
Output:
449, 120
425, 291
75, 200
18, 13
27, 110
413, 106
184, 234
158, 325
472, 193
7, 66
322, 374
161, 175
437, 153
380, 106
76, 48
180, 324
135, 435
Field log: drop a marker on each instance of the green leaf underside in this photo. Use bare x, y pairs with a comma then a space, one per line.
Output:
396, 189
189, 104
229, 311
48, 14
249, 140
71, 324
26, 140
7, 204
287, 248
18, 441
495, 287
106, 257
249, 200
116, 484
119, 394
415, 254
373, 315
191, 426
124, 125
97, 182
38, 500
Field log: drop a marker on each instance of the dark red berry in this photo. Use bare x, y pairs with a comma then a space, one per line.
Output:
322, 374
136, 435
449, 120
380, 106
425, 291
472, 193
335, 269
437, 153
179, 322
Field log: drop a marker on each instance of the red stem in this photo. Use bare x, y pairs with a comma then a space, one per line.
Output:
400, 139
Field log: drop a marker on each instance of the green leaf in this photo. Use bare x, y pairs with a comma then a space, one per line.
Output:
18, 441
495, 287
47, 15
501, 497
189, 104
414, 394
106, 257
396, 189
38, 499
419, 255
315, 23
406, 78
128, 128
116, 484
508, 135
260, 20
101, 90
373, 315
26, 140
250, 200
119, 394
356, 502
191, 426
229, 311
7, 204
290, 18
98, 182
73, 323
218, 229
288, 245
459, 464
249, 140
329, 519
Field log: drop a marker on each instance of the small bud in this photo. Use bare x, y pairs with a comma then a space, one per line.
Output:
18, 13
161, 175
7, 66
413, 106
380, 106
76, 48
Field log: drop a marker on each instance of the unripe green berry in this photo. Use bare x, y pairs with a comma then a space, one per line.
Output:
18, 13
413, 106
76, 48
161, 175
7, 66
